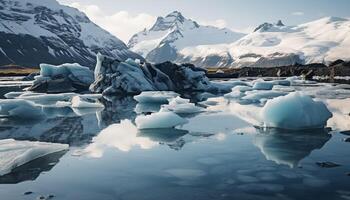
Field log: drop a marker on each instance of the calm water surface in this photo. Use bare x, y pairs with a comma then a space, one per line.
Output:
217, 155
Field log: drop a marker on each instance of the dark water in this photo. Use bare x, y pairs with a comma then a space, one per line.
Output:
216, 156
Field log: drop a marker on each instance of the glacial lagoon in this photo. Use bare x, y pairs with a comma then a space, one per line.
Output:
220, 153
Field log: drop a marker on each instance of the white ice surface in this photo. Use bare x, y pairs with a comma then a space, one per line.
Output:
16, 153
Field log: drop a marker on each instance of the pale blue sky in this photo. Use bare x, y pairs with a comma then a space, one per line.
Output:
237, 14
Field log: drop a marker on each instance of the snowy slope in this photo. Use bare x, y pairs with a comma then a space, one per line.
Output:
34, 31
320, 41
173, 33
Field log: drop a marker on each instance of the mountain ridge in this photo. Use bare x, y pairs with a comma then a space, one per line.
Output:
33, 31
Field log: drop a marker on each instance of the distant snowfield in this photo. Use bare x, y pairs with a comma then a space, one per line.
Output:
321, 41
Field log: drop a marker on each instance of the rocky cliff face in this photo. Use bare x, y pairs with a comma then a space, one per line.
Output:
34, 32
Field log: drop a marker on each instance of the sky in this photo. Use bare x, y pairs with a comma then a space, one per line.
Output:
123, 18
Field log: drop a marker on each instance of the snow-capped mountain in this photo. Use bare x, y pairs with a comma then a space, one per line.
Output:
173, 33
270, 45
36, 31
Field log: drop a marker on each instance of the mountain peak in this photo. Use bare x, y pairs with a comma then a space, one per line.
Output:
279, 23
171, 20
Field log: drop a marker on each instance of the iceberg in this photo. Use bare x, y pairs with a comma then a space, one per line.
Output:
164, 119
15, 153
295, 111
113, 76
21, 109
158, 97
62, 78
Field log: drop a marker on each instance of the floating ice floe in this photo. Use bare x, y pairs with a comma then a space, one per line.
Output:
85, 102
21, 109
62, 78
12, 95
295, 111
263, 85
182, 106
46, 99
159, 97
164, 119
16, 153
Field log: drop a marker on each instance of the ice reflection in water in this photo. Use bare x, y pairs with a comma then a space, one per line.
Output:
289, 147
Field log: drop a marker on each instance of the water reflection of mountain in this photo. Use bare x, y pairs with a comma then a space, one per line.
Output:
32, 170
290, 147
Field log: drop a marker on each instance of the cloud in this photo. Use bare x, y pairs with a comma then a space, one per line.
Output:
220, 23
122, 24
298, 13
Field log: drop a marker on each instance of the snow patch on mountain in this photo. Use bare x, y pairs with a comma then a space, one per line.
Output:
271, 45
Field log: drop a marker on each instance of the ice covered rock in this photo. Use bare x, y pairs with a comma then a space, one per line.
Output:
19, 108
16, 153
163, 119
159, 97
62, 78
85, 102
182, 106
130, 77
295, 111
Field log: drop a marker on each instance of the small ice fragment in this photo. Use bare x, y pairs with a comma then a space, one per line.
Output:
159, 120
155, 96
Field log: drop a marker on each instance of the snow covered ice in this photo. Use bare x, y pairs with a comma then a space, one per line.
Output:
62, 78
295, 111
16, 153
163, 119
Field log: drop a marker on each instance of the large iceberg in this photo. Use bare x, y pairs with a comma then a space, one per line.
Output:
295, 111
16, 153
164, 119
130, 77
62, 78
19, 108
